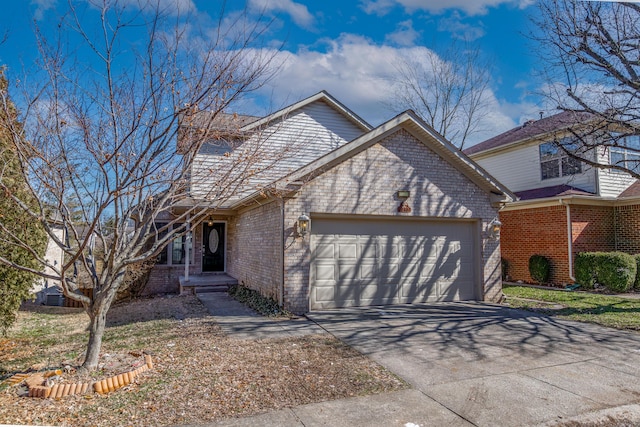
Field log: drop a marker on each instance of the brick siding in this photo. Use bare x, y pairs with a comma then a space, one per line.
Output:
367, 184
164, 279
628, 228
592, 228
255, 252
541, 231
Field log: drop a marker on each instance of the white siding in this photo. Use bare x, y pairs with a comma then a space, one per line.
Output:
55, 256
612, 183
519, 170
273, 153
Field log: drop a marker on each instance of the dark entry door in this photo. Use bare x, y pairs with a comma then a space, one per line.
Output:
213, 251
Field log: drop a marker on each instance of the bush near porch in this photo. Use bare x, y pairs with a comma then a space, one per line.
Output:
616, 271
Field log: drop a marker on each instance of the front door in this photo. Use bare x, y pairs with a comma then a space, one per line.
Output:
213, 248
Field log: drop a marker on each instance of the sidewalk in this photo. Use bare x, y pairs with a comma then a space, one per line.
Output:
239, 321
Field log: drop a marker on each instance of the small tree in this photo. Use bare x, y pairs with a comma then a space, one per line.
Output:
15, 285
589, 51
99, 139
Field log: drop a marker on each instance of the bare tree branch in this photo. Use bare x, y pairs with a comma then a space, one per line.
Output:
98, 144
448, 90
590, 52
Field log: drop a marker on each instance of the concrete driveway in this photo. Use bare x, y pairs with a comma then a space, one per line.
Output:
487, 365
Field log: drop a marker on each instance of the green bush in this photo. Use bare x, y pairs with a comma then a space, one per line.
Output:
585, 269
636, 283
616, 271
539, 268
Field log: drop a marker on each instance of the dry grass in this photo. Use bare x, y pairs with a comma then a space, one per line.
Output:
200, 374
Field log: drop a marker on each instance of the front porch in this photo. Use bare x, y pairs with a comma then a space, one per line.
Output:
212, 282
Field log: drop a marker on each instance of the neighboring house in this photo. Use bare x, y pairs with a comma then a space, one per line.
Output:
397, 213
565, 206
48, 291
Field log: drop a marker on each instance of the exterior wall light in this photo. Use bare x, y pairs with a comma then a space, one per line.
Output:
494, 229
404, 206
210, 222
304, 225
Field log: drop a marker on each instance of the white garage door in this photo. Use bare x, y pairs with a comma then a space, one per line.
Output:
357, 262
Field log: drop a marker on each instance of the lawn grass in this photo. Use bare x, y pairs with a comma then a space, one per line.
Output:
606, 310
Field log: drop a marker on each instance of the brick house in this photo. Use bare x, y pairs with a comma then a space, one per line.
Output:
397, 213
564, 206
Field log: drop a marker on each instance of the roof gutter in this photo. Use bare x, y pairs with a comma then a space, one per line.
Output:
569, 238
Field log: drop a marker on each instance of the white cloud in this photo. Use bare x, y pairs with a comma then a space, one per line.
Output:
42, 6
470, 7
298, 12
361, 74
459, 29
378, 7
405, 34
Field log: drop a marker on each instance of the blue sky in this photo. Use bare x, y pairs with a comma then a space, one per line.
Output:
349, 47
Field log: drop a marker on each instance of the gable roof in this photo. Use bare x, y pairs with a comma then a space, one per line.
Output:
529, 130
323, 96
632, 191
552, 191
411, 122
225, 125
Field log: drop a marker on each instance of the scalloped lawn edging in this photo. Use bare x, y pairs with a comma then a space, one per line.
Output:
35, 382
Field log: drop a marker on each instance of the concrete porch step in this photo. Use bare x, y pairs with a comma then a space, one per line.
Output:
206, 283
210, 288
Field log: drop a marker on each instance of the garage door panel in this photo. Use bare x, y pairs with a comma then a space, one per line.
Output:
347, 250
368, 271
325, 272
368, 251
324, 251
456, 290
388, 271
389, 251
325, 293
389, 261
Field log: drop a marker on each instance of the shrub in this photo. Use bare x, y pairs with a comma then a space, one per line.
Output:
585, 269
636, 284
135, 280
539, 268
263, 305
505, 268
616, 271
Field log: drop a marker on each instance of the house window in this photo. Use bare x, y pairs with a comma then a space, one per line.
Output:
555, 162
626, 153
174, 253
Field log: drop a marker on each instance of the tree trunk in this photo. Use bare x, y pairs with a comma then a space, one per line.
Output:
97, 312
98, 320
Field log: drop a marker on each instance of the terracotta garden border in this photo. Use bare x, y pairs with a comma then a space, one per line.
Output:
37, 389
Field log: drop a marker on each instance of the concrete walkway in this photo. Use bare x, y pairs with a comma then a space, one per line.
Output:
468, 363
239, 321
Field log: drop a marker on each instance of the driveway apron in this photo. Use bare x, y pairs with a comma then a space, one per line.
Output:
491, 365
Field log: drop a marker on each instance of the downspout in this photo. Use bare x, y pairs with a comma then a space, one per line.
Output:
186, 249
281, 296
569, 239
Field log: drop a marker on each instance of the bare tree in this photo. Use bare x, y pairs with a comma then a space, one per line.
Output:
98, 137
589, 51
448, 90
